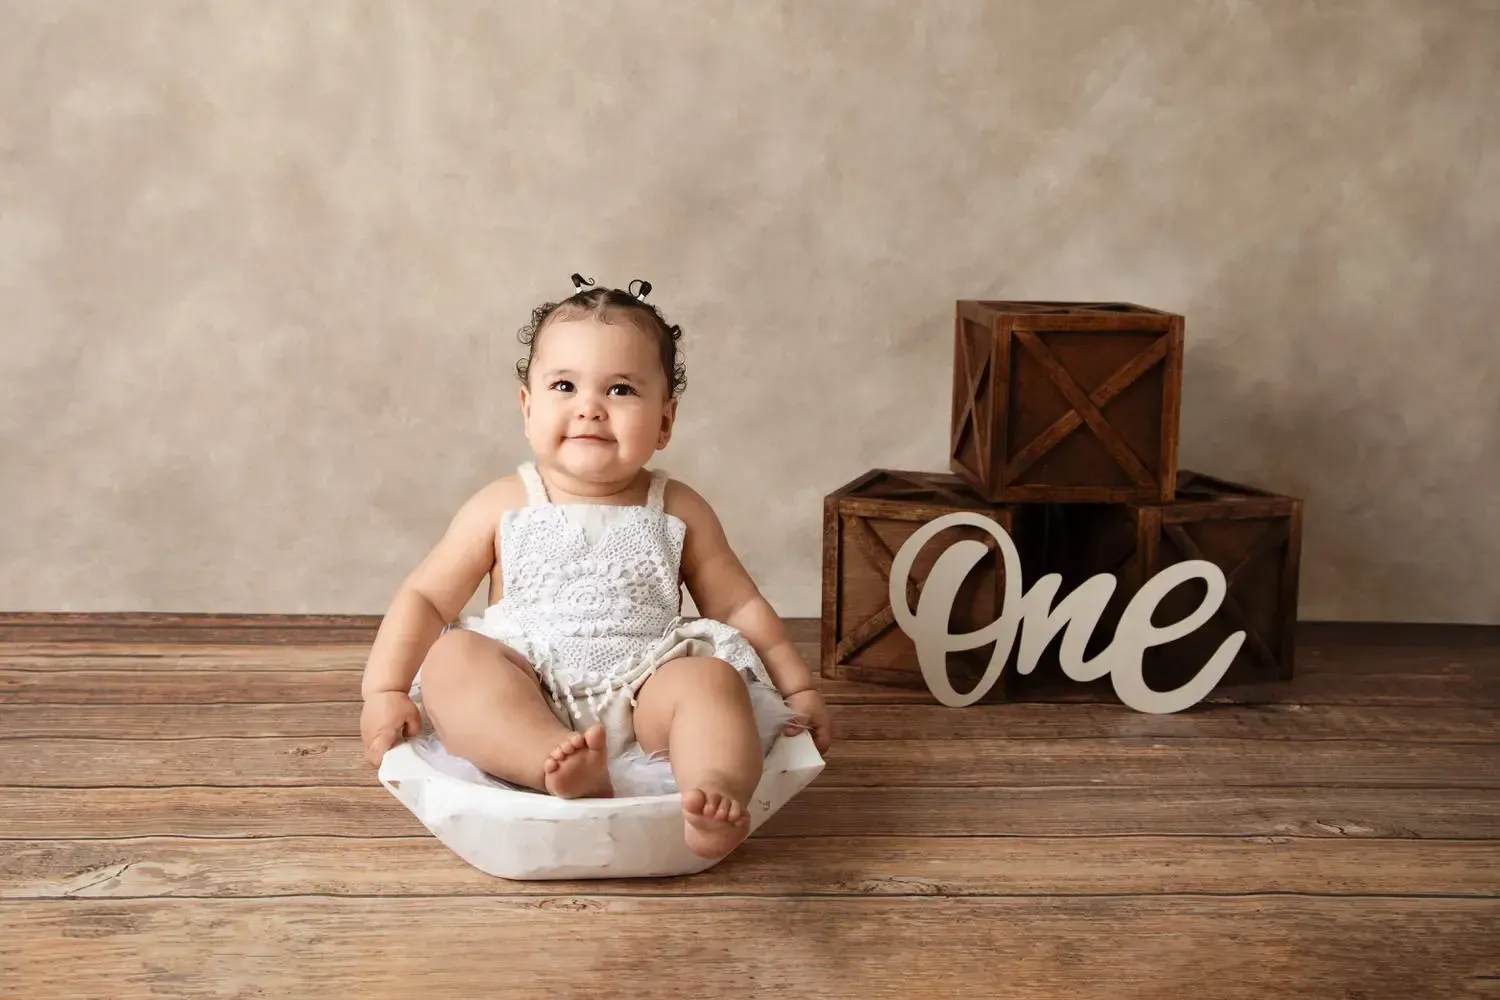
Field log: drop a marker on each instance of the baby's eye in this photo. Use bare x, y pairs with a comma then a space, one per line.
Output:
562, 385
621, 385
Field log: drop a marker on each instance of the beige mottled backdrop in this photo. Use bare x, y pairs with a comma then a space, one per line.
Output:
262, 264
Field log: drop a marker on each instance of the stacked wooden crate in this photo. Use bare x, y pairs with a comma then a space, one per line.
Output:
1064, 432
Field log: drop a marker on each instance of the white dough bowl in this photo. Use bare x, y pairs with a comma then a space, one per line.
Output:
529, 836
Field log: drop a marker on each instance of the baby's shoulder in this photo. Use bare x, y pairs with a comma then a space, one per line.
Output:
687, 505
490, 502
507, 493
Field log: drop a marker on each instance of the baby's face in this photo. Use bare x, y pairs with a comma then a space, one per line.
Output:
596, 405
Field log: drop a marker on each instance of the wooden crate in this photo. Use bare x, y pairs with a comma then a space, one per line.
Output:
1066, 402
1253, 535
865, 523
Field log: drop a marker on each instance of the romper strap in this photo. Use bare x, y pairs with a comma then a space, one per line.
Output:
536, 490
657, 493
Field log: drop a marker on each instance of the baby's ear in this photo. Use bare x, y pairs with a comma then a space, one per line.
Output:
668, 417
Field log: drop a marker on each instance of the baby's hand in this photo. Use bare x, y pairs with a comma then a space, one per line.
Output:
812, 714
387, 718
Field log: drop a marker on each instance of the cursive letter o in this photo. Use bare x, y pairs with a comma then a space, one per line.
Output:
928, 628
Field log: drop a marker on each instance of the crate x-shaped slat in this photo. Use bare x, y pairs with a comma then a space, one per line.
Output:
1275, 535
968, 421
861, 536
1086, 409
1010, 363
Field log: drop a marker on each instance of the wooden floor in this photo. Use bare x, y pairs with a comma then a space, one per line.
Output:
185, 813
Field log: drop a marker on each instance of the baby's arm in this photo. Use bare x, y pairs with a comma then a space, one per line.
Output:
724, 591
436, 591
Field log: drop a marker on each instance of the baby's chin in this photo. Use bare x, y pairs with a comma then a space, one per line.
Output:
590, 461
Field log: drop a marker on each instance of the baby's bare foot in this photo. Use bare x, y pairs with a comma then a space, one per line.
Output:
577, 769
713, 823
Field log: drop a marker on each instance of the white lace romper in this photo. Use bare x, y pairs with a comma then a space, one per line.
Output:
592, 598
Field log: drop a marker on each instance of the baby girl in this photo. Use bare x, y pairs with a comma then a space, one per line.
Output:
583, 652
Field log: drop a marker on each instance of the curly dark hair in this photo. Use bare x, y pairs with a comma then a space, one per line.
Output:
607, 304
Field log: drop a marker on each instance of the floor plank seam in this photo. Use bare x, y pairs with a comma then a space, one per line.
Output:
833, 701
833, 785
1268, 838
959, 738
788, 897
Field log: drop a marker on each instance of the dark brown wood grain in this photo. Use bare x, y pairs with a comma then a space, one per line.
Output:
183, 867
819, 811
1226, 948
854, 720
1253, 535
1157, 762
1338, 664
866, 521
160, 628
164, 626
184, 811
1065, 402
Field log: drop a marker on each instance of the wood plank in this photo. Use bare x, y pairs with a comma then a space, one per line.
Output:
873, 866
327, 761
1363, 647
1301, 812
1235, 948
180, 687
1350, 673
151, 626
1387, 635
155, 626
197, 687
1436, 814
162, 684
257, 679
1385, 652
250, 675
217, 628
32, 673
1307, 723
165, 656
1160, 763
1040, 720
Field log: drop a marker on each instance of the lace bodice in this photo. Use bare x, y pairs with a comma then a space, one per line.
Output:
593, 596
591, 570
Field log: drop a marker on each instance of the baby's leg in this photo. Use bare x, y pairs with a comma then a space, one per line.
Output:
698, 709
487, 707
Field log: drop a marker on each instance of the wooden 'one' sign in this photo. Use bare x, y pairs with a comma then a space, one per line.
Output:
1079, 612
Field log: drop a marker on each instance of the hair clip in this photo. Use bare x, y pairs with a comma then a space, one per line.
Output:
580, 283
645, 289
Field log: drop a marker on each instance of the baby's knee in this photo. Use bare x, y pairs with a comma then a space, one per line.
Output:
453, 658
711, 680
